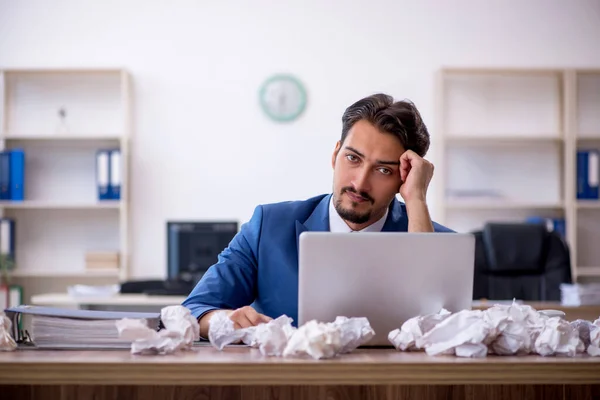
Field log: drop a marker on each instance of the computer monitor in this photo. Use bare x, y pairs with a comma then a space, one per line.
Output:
193, 246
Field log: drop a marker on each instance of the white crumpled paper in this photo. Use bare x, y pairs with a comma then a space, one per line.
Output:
593, 348
589, 332
180, 331
279, 338
412, 331
502, 330
7, 342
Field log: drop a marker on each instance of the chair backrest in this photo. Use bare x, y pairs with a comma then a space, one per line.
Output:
520, 260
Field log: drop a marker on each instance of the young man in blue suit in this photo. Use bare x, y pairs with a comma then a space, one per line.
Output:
380, 154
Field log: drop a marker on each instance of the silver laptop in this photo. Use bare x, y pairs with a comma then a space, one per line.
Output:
387, 277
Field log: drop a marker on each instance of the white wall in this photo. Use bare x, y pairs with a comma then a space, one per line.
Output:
202, 148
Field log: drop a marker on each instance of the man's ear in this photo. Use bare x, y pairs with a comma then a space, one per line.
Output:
338, 146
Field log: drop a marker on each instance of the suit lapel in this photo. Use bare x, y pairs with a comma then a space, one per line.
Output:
396, 220
318, 221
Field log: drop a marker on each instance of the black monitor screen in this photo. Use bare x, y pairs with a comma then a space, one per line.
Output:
192, 247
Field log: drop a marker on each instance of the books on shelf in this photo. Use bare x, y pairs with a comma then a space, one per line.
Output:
102, 260
108, 174
59, 328
588, 171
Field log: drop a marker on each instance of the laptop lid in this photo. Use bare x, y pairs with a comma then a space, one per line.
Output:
387, 277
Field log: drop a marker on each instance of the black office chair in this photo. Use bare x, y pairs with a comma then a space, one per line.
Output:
523, 261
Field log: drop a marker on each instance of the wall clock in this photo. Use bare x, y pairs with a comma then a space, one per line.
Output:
282, 98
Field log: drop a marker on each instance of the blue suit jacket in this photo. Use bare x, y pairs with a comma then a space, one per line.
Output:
260, 265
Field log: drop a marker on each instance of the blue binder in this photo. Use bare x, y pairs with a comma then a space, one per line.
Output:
115, 174
17, 175
103, 174
4, 175
552, 224
588, 171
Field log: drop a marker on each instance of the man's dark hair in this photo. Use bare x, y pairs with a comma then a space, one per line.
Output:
401, 119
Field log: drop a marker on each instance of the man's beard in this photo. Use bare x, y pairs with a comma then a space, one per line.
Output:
350, 215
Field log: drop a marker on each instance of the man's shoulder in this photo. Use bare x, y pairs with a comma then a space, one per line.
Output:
293, 208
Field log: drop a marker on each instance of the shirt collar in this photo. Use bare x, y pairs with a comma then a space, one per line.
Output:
337, 224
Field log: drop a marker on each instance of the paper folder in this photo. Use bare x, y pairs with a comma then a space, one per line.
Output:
74, 322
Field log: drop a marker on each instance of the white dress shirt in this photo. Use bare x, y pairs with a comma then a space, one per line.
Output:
337, 224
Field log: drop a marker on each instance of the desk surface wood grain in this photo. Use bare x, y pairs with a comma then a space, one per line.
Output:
244, 366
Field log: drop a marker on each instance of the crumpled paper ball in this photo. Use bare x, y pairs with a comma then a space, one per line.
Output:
405, 338
593, 346
7, 342
180, 331
279, 338
502, 330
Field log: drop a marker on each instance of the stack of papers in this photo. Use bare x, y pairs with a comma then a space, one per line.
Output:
75, 333
59, 328
580, 294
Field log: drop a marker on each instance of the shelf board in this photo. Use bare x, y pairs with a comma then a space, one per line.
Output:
62, 137
591, 138
64, 274
500, 205
588, 204
50, 205
451, 70
588, 271
493, 140
59, 70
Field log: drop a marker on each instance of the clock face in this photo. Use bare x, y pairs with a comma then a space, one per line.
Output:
283, 98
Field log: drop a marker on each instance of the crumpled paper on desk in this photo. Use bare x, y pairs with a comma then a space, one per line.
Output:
589, 333
180, 331
279, 338
502, 330
7, 342
412, 331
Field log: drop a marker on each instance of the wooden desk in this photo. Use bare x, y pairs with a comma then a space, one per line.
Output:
243, 373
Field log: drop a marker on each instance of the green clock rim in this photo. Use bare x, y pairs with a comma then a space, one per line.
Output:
300, 87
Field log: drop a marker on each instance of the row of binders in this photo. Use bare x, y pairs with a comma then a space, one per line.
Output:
588, 174
12, 175
108, 174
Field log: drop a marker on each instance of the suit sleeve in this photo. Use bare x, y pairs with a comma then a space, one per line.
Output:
441, 228
231, 282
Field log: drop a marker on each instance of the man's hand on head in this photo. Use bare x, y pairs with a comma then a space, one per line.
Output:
416, 174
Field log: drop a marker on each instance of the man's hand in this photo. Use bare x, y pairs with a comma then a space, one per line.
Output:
242, 318
416, 173
246, 316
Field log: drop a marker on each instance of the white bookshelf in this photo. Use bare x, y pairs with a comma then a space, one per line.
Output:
61, 217
509, 137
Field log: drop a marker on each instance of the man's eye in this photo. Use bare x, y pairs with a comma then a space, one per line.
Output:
385, 171
352, 157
